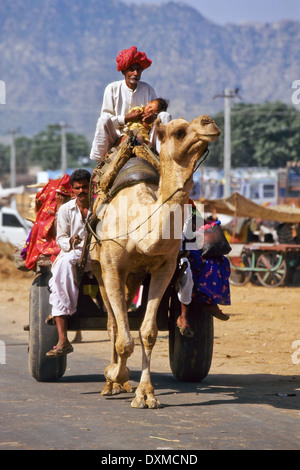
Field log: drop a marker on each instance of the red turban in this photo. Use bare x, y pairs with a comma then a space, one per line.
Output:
127, 57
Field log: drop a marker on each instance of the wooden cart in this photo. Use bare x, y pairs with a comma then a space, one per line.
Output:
267, 264
190, 358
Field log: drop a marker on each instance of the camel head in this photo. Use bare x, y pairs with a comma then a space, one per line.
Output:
186, 141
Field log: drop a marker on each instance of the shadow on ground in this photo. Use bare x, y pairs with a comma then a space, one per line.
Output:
275, 390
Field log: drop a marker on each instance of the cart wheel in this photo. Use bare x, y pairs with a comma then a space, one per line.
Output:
240, 278
190, 358
271, 278
42, 337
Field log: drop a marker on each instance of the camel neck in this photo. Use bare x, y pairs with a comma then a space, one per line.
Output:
175, 184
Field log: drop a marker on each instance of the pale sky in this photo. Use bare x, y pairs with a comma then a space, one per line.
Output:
235, 11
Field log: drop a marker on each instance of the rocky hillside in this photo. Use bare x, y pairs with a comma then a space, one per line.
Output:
58, 55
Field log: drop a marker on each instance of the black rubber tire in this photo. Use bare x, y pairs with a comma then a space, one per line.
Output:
190, 358
42, 337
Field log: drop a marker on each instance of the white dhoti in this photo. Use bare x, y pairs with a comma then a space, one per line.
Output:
105, 136
64, 291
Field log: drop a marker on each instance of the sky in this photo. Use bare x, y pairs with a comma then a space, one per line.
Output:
237, 11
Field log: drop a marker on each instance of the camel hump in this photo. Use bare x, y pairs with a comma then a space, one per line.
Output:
136, 170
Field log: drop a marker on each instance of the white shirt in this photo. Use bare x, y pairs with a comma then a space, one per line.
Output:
69, 223
118, 100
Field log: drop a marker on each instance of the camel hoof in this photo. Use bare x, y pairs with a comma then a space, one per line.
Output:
145, 402
119, 388
127, 388
144, 397
152, 403
107, 391
116, 388
138, 403
113, 374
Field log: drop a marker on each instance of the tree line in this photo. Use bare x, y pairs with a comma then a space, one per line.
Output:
265, 135
44, 149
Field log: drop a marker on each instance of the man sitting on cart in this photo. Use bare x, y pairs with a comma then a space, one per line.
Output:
71, 232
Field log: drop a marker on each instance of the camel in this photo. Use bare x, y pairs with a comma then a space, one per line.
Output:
123, 258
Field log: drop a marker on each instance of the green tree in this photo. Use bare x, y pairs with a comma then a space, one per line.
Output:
46, 148
77, 146
4, 165
261, 135
23, 154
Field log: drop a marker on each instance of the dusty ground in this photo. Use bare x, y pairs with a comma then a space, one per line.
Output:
258, 338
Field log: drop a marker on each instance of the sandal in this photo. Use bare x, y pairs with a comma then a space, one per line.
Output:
50, 320
185, 331
216, 312
57, 352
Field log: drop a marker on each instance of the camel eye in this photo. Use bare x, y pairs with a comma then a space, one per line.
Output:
180, 133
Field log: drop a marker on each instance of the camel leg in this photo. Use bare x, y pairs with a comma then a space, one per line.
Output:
144, 395
112, 333
114, 388
117, 372
110, 388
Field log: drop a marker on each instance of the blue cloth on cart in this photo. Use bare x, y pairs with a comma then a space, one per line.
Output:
211, 278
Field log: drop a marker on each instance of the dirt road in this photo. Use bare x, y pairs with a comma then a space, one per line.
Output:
250, 400
260, 336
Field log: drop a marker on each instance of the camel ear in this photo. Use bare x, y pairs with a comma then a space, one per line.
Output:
160, 129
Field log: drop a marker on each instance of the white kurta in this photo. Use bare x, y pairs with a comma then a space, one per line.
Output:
118, 100
64, 292
186, 283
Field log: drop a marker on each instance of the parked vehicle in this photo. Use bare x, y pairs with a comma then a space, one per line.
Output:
260, 185
13, 227
265, 264
289, 184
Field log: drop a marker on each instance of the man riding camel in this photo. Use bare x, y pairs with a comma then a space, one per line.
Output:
119, 99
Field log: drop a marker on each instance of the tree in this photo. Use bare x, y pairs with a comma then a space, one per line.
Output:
77, 146
43, 149
46, 148
261, 135
23, 154
4, 160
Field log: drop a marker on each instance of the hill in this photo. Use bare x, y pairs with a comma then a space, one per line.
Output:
58, 55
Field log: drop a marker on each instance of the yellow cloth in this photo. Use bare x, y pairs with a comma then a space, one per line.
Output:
133, 125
